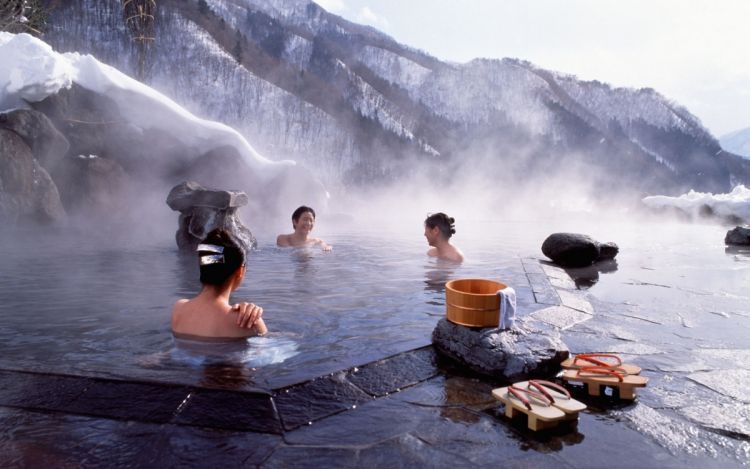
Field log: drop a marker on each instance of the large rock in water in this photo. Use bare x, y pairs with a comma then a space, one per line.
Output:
26, 189
738, 236
577, 250
202, 210
531, 349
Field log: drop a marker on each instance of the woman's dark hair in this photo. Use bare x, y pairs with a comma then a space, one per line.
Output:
442, 221
300, 210
216, 267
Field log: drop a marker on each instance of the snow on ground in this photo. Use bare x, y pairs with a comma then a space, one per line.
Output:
31, 70
735, 203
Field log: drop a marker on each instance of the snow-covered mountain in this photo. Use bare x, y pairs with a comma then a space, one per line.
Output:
355, 106
737, 142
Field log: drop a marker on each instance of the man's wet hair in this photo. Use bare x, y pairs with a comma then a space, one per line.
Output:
442, 221
220, 256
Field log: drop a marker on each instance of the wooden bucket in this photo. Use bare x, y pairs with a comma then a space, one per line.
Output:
473, 302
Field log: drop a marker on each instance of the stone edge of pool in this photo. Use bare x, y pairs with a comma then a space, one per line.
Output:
551, 297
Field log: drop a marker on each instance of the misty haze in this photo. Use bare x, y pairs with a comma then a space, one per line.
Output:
129, 130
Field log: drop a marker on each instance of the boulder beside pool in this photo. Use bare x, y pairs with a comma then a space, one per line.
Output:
531, 349
577, 250
738, 236
202, 210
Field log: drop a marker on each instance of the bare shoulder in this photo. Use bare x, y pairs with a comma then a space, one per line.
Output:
179, 303
282, 240
456, 255
177, 311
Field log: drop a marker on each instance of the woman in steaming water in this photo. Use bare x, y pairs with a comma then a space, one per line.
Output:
303, 221
438, 229
209, 315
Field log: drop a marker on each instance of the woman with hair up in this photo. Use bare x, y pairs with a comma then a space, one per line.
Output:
209, 315
438, 229
303, 222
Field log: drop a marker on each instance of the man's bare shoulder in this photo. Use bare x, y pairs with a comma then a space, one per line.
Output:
282, 240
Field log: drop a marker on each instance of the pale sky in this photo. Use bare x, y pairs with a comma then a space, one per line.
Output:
695, 52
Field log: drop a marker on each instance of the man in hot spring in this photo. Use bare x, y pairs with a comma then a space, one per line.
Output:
209, 315
438, 229
303, 221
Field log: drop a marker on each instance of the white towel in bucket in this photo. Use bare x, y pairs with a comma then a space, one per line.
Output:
507, 307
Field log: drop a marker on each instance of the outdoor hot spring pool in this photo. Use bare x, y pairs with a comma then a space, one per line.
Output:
76, 303
70, 305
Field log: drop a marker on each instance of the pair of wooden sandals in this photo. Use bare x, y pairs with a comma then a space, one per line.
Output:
545, 403
596, 370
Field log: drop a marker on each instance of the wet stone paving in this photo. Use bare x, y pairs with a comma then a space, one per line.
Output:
412, 409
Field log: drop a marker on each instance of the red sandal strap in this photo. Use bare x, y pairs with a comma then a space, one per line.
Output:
542, 390
591, 358
541, 384
520, 393
514, 392
599, 371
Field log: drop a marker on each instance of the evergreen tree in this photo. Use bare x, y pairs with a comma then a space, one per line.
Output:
237, 51
139, 18
23, 16
203, 8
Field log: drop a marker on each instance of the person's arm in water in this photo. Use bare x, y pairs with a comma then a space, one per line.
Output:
249, 317
282, 241
323, 245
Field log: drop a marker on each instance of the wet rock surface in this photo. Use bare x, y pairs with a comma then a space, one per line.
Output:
577, 250
202, 210
528, 350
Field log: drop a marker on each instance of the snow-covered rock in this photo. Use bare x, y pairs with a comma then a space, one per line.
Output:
735, 204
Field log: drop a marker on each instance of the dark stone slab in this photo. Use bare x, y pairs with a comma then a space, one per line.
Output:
525, 300
394, 373
379, 420
531, 266
316, 399
543, 291
230, 410
37, 439
410, 451
202, 447
451, 392
482, 438
319, 457
592, 446
142, 402
37, 391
